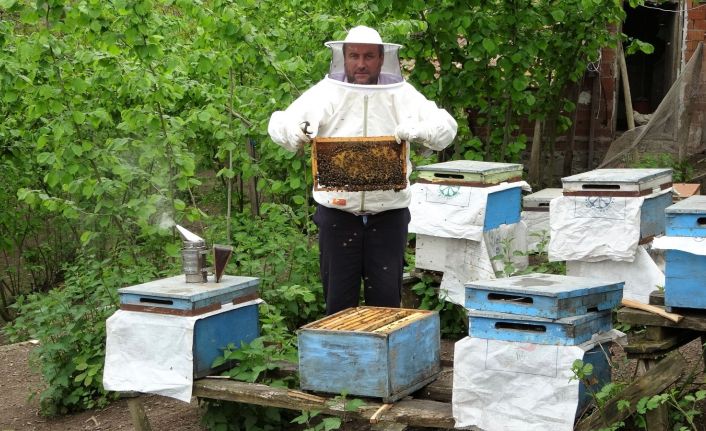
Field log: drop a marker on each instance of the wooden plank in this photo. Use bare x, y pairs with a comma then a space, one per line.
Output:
412, 412
651, 309
638, 317
654, 381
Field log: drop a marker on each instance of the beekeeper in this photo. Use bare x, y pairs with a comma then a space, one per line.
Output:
362, 235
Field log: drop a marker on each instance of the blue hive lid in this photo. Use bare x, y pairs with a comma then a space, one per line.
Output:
177, 288
691, 205
551, 285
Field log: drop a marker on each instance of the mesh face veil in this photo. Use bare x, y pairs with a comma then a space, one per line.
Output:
390, 72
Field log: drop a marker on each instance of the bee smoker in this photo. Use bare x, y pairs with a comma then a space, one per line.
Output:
193, 257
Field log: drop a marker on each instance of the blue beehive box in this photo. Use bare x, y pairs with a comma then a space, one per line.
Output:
568, 331
616, 183
502, 207
685, 273
377, 352
175, 296
225, 312
543, 295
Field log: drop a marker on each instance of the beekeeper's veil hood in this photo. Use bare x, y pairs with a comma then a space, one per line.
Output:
390, 72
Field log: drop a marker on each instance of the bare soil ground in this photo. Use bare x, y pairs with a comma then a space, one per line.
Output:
18, 412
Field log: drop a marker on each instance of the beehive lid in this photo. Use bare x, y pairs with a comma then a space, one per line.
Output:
550, 285
176, 288
541, 198
359, 164
469, 172
691, 205
379, 320
617, 182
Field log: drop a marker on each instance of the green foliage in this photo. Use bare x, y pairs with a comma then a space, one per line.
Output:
682, 171
325, 424
453, 318
69, 322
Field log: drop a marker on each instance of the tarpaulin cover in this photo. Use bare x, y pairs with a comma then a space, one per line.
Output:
641, 276
467, 260
460, 214
512, 386
687, 244
153, 353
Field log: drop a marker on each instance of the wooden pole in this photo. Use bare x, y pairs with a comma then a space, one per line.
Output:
137, 413
535, 155
626, 87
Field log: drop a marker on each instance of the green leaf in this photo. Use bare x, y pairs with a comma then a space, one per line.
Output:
7, 4
558, 14
179, 205
489, 45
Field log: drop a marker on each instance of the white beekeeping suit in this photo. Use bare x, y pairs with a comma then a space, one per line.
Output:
335, 107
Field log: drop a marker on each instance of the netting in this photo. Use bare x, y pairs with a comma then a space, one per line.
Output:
669, 130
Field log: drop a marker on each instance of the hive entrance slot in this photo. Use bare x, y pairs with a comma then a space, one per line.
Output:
701, 221
591, 309
454, 176
503, 297
543, 204
526, 327
157, 301
600, 186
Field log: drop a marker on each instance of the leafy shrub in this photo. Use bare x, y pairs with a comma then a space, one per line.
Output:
69, 322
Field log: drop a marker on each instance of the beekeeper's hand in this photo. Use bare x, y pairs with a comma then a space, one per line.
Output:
296, 136
413, 133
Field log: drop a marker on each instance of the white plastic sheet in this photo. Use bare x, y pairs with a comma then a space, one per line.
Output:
452, 211
153, 353
693, 245
467, 260
641, 276
511, 386
592, 228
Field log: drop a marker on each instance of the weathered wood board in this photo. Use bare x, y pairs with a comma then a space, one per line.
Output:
568, 331
413, 412
543, 295
173, 295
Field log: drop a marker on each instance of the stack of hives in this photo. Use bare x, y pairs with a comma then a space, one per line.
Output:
465, 213
514, 369
685, 254
604, 220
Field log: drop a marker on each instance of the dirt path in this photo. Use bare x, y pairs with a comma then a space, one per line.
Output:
17, 412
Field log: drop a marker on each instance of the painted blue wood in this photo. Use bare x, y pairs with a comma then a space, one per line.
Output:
543, 295
370, 364
568, 331
652, 215
341, 361
175, 293
213, 333
687, 217
598, 357
685, 280
503, 207
414, 353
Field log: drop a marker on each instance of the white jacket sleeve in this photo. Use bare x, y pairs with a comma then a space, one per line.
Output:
285, 126
427, 124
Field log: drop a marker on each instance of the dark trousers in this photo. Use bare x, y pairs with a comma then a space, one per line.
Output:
368, 248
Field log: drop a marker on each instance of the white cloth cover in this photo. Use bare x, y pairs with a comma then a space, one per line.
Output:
693, 245
641, 276
452, 211
153, 353
468, 260
591, 228
340, 109
511, 386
